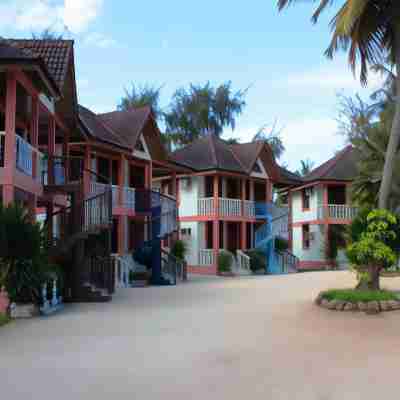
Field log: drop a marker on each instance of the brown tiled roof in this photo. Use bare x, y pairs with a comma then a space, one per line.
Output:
127, 124
341, 167
247, 153
54, 53
289, 178
208, 153
98, 130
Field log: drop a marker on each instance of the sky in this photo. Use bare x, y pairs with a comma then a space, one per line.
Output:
278, 56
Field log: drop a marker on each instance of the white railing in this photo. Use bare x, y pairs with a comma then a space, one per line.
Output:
205, 206
337, 211
128, 194
97, 188
206, 257
243, 260
249, 208
280, 226
226, 207
24, 156
229, 207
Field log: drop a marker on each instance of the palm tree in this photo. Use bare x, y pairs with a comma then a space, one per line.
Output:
370, 31
140, 96
273, 138
306, 167
203, 109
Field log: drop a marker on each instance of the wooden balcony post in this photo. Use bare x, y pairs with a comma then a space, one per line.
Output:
35, 136
87, 167
269, 189
121, 180
9, 151
65, 153
51, 149
216, 196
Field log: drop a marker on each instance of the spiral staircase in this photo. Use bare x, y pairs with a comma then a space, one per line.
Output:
275, 226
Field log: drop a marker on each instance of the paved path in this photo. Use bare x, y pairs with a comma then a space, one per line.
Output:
248, 338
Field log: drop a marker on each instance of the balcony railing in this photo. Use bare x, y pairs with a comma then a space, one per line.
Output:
25, 156
226, 207
337, 211
206, 257
128, 194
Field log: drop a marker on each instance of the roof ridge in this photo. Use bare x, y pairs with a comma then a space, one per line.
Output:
132, 109
327, 166
230, 146
108, 128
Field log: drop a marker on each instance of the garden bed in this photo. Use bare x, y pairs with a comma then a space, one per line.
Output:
4, 319
371, 302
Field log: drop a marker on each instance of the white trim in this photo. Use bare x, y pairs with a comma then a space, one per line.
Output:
263, 173
145, 155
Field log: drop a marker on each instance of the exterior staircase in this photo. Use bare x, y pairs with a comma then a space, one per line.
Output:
275, 225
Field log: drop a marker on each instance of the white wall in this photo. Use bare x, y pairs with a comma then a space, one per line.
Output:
193, 242
315, 200
317, 246
189, 196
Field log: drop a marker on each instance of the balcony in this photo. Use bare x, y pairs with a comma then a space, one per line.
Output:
226, 207
339, 212
127, 199
206, 257
26, 155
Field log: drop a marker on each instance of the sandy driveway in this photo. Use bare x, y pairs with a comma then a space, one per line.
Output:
247, 338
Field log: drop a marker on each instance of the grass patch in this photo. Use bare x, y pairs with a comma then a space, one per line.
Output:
4, 319
355, 296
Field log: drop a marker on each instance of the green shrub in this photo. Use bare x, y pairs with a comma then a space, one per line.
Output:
374, 248
281, 244
179, 250
225, 260
257, 260
355, 296
4, 319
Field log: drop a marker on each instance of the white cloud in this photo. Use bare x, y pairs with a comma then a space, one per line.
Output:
40, 14
78, 14
99, 40
330, 77
308, 137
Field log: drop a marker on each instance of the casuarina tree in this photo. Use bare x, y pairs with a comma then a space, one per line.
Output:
369, 30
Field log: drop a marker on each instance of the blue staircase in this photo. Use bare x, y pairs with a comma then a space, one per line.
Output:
275, 225
162, 221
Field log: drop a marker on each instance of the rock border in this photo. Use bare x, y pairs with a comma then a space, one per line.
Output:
370, 307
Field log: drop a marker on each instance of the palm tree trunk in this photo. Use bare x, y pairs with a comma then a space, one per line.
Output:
394, 141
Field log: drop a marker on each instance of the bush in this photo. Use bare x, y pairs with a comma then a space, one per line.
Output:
374, 248
24, 265
4, 319
281, 244
225, 260
355, 296
257, 260
179, 250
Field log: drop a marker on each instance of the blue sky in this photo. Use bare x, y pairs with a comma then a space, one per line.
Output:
173, 43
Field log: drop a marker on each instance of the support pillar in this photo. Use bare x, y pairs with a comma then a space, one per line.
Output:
326, 220
10, 140
121, 234
35, 138
121, 180
86, 173
216, 238
269, 190
243, 224
51, 149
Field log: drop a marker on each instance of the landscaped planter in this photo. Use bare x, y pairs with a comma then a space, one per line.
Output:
24, 310
369, 307
226, 274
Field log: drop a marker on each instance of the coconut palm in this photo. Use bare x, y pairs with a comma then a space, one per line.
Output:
370, 31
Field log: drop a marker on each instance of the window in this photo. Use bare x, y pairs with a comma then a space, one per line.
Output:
257, 168
186, 232
306, 236
139, 146
306, 195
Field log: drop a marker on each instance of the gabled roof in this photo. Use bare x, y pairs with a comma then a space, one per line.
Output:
289, 178
247, 153
54, 53
98, 130
127, 124
341, 167
11, 53
208, 153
